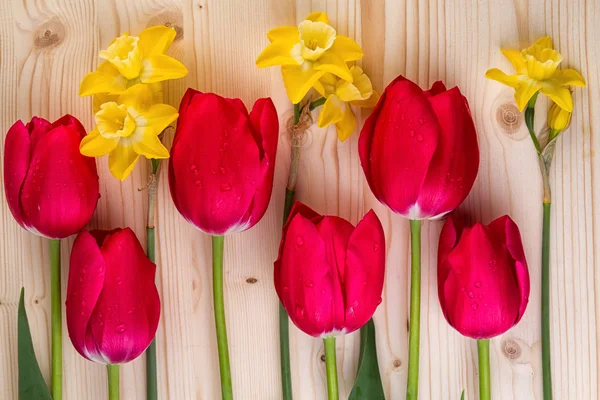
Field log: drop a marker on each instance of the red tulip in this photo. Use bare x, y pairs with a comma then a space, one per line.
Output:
222, 161
112, 301
329, 274
419, 149
483, 281
51, 189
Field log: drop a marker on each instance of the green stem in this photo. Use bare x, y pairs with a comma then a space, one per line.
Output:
331, 368
56, 310
317, 103
529, 121
412, 392
224, 368
113, 381
546, 367
483, 350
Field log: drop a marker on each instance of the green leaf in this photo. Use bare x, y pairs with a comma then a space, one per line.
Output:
31, 381
368, 384
462, 396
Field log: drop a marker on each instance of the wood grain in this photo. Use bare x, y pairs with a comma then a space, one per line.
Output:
46, 47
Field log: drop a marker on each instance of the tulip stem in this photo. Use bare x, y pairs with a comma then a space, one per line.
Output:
483, 351
546, 367
113, 381
331, 368
224, 369
412, 392
56, 310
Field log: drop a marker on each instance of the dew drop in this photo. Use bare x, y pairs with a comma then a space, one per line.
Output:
253, 183
412, 133
225, 187
286, 289
299, 241
462, 289
323, 291
474, 306
222, 170
299, 311
247, 177
419, 138
309, 283
351, 311
478, 284
421, 121
480, 297
375, 247
27, 196
37, 167
198, 183
193, 168
83, 303
120, 328
82, 313
402, 116
71, 162
470, 294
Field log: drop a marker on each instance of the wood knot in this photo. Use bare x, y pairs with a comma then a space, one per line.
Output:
170, 19
511, 349
36, 301
323, 357
397, 363
251, 280
510, 120
49, 34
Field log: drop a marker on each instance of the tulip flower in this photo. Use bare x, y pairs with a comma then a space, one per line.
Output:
130, 60
419, 152
113, 306
329, 275
52, 191
221, 176
483, 282
537, 72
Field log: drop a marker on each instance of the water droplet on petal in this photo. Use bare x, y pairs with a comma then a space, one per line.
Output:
470, 294
120, 328
375, 247
286, 289
299, 241
412, 133
71, 162
474, 306
225, 187
83, 303
421, 121
222, 170
198, 183
309, 283
299, 311
478, 284
480, 297
193, 168
419, 138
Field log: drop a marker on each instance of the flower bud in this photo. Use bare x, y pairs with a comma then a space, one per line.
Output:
558, 120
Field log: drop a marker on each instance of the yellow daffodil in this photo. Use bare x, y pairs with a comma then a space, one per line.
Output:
128, 127
558, 120
130, 60
537, 70
340, 94
307, 52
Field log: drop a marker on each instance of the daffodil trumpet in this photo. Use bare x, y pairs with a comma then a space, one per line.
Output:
537, 72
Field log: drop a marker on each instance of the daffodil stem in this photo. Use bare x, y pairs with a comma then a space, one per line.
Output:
483, 351
412, 392
529, 121
56, 308
113, 381
219, 306
317, 103
151, 367
331, 368
546, 366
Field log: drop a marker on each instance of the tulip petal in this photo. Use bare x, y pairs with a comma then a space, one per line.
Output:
304, 281
86, 279
264, 123
449, 236
126, 315
299, 79
17, 155
365, 272
482, 286
156, 40
38, 128
438, 87
453, 168
96, 145
347, 48
106, 79
60, 192
160, 68
406, 125
122, 160
508, 232
214, 157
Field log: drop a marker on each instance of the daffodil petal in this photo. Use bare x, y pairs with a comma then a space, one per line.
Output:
525, 92
139, 97
514, 56
568, 77
284, 33
318, 16
347, 92
545, 42
299, 79
368, 103
346, 48
158, 116
101, 98
280, 52
499, 76
331, 112
318, 86
145, 141
333, 63
156, 40
106, 79
560, 95
346, 125
122, 160
161, 68
96, 145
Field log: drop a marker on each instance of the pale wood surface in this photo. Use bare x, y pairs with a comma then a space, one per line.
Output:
47, 46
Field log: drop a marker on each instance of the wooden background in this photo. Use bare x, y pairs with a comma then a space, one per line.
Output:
47, 46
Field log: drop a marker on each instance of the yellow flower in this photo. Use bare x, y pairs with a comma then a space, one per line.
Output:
307, 52
127, 127
537, 70
340, 94
558, 120
131, 59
